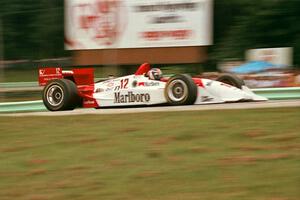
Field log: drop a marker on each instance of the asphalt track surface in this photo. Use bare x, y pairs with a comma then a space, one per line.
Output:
225, 106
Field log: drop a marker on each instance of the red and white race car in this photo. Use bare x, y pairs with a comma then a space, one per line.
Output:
66, 90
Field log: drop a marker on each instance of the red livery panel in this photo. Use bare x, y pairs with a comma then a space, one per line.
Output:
48, 74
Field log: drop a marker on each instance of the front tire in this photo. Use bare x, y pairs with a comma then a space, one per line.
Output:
231, 80
181, 90
60, 94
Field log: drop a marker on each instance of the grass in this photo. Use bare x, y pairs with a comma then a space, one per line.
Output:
14, 75
20, 96
232, 154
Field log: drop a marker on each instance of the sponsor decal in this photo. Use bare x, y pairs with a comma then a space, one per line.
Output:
145, 84
110, 84
206, 99
117, 88
42, 72
131, 97
58, 70
98, 90
50, 72
89, 103
134, 83
108, 89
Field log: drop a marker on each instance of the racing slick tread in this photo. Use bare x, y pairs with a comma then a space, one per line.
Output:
71, 98
232, 80
191, 87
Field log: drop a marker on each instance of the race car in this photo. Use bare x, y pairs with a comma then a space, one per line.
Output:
69, 89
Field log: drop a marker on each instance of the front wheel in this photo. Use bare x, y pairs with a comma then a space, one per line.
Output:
232, 80
181, 90
60, 94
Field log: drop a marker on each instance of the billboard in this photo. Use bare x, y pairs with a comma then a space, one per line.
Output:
110, 24
277, 56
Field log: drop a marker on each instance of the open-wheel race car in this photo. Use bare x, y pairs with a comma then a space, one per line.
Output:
68, 89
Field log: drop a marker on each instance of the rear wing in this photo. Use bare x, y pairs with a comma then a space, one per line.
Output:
79, 76
48, 74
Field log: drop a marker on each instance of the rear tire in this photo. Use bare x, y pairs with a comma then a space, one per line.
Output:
181, 90
232, 80
60, 94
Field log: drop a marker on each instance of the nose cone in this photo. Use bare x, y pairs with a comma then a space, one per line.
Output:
226, 92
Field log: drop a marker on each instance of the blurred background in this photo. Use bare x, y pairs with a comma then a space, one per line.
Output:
217, 154
258, 40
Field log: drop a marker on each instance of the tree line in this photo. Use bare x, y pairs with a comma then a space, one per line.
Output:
34, 29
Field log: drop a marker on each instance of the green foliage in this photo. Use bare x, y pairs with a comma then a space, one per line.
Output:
34, 29
242, 25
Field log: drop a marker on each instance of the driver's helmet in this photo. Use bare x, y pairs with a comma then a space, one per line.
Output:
154, 74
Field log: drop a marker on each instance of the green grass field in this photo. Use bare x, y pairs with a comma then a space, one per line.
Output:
232, 154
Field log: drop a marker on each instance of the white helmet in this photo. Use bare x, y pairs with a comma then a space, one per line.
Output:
154, 74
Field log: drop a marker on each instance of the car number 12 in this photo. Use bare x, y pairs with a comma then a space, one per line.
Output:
124, 83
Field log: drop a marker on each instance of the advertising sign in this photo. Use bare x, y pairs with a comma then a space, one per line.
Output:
103, 24
277, 56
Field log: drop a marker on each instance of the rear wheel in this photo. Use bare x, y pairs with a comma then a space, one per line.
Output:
181, 90
60, 94
232, 80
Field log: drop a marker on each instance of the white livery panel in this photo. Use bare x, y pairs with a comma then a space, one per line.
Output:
129, 90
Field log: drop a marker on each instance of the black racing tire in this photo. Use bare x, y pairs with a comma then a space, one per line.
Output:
181, 90
232, 80
61, 94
